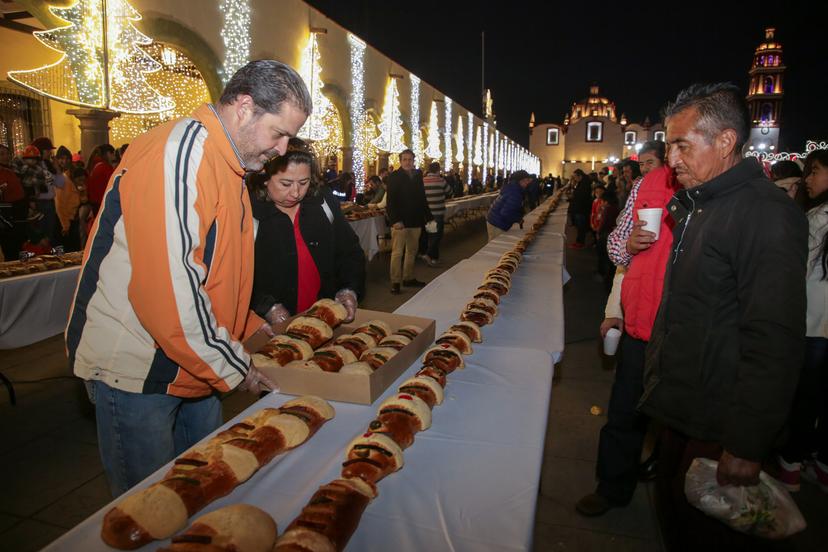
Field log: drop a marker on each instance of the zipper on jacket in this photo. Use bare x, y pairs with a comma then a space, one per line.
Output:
678, 249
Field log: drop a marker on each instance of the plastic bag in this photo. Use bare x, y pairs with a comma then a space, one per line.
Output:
765, 510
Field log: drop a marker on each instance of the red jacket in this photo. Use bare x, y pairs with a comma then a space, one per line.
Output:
13, 191
644, 280
97, 181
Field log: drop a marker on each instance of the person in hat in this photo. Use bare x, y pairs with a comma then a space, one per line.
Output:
67, 201
507, 209
40, 179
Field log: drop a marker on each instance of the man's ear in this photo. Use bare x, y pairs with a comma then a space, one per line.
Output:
244, 108
726, 143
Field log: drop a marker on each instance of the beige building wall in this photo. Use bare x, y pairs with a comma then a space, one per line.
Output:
590, 156
551, 155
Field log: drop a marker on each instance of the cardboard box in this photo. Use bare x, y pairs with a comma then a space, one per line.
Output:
353, 388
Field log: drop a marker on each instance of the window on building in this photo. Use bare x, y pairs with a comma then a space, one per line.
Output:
767, 112
659, 136
594, 131
630, 137
768, 85
552, 136
23, 117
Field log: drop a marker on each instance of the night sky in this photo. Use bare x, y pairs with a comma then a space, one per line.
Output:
541, 56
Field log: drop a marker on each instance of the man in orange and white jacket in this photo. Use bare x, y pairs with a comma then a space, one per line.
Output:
162, 303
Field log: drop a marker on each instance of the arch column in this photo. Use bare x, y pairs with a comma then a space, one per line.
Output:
94, 127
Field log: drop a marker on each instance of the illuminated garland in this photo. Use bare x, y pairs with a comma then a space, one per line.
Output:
369, 132
416, 134
460, 157
323, 128
433, 150
469, 146
447, 163
360, 144
491, 157
485, 151
103, 64
768, 157
391, 129
236, 36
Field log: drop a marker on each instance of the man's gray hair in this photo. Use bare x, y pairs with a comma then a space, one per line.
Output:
270, 83
721, 106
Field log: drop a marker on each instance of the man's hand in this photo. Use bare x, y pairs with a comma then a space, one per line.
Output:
256, 382
640, 239
737, 471
348, 299
398, 226
277, 314
611, 323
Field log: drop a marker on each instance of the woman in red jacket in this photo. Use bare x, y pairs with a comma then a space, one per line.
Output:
102, 163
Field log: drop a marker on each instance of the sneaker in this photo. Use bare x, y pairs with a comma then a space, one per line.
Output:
433, 263
817, 472
413, 283
789, 473
395, 289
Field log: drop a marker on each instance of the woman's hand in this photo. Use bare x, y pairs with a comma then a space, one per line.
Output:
348, 299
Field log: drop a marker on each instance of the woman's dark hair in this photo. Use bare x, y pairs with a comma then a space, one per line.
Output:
785, 169
579, 172
636, 168
297, 152
97, 155
78, 172
821, 157
656, 147
375, 180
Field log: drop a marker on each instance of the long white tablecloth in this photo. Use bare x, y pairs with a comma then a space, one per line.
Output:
471, 481
367, 230
34, 307
455, 207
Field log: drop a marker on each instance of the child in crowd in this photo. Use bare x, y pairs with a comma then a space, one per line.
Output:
807, 447
37, 243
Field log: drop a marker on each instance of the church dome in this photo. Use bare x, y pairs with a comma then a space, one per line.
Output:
595, 105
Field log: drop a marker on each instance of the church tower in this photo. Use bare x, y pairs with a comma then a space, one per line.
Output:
765, 94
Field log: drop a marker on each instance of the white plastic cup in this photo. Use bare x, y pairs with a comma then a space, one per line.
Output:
611, 341
652, 220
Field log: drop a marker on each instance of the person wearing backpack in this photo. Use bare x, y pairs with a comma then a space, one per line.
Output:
305, 249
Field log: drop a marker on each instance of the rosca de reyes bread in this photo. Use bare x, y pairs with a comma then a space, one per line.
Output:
211, 470
234, 528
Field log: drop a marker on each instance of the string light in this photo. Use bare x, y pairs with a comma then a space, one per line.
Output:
490, 157
78, 77
494, 144
360, 143
469, 145
236, 35
478, 147
485, 150
369, 133
323, 128
433, 150
447, 163
391, 129
771, 157
179, 79
460, 157
416, 134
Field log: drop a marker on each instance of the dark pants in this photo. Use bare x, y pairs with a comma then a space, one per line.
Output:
809, 413
435, 238
622, 437
581, 223
684, 527
605, 267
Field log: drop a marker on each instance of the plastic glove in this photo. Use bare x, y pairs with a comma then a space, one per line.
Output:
277, 314
256, 382
431, 227
348, 299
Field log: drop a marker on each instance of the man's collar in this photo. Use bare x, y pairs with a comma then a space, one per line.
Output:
208, 116
741, 172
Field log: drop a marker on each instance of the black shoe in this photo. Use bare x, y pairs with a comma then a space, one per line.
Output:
413, 283
593, 505
395, 289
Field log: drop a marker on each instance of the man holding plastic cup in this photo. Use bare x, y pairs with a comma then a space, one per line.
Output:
723, 359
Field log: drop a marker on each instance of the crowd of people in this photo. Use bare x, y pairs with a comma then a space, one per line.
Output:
724, 311
50, 196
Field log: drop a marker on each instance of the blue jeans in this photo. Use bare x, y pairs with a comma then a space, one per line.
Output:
137, 433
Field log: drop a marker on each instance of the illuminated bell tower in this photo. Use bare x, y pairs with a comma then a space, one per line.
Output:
765, 94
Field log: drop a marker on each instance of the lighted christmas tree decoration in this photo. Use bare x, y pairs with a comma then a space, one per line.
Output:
103, 64
460, 157
433, 151
323, 127
368, 135
491, 156
447, 162
416, 134
485, 150
358, 118
390, 127
236, 36
478, 147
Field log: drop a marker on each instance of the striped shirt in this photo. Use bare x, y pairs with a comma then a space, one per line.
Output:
162, 302
617, 240
436, 190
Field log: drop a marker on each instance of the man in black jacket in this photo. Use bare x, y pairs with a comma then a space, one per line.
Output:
724, 356
407, 211
580, 206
